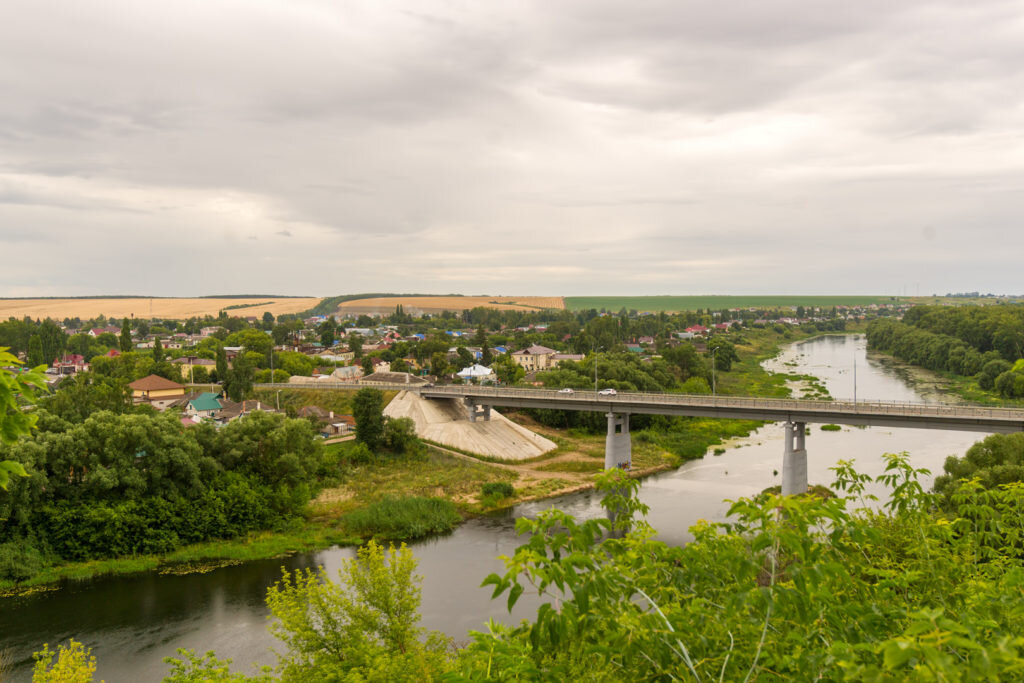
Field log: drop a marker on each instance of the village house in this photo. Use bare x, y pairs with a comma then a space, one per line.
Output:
186, 364
329, 423
156, 391
70, 364
477, 373
535, 357
205, 404
231, 410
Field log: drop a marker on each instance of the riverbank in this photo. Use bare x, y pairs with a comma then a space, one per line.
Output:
947, 387
459, 478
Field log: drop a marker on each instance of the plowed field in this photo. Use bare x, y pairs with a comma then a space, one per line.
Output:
177, 309
436, 304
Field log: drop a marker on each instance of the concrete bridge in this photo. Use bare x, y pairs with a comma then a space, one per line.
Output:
793, 413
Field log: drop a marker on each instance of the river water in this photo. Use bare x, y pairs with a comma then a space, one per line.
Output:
132, 623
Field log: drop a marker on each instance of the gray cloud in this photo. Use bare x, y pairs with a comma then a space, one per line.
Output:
535, 148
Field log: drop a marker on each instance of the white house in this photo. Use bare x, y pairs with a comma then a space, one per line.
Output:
477, 372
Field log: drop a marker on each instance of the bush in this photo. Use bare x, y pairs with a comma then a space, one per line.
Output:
831, 428
19, 561
359, 454
401, 519
497, 489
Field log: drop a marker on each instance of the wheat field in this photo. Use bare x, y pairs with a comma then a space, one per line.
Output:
176, 309
436, 304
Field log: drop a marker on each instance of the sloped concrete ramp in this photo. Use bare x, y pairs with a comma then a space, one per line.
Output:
445, 421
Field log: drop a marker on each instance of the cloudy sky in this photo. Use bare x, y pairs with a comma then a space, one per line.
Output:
522, 147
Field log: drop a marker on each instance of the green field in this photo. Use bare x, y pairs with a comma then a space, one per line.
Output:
656, 304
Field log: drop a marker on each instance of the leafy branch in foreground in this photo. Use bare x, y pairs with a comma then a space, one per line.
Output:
16, 390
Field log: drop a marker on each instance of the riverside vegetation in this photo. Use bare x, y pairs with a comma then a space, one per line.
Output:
981, 348
927, 588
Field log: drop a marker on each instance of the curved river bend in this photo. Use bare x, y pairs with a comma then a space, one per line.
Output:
132, 623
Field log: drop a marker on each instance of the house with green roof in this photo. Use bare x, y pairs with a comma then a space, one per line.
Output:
204, 405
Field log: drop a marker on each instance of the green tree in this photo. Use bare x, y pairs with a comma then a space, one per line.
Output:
507, 369
240, 378
158, 351
465, 357
126, 336
723, 352
35, 351
53, 340
355, 344
439, 364
327, 331
400, 435
268, 320
362, 628
368, 410
86, 393
222, 364
108, 340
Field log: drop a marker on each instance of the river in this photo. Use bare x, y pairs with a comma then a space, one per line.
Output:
133, 622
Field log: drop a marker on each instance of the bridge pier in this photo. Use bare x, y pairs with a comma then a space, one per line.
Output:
794, 459
618, 449
475, 409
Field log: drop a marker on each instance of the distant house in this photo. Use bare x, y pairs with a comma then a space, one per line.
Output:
535, 358
477, 372
231, 410
156, 391
69, 364
330, 424
560, 358
187, 364
206, 404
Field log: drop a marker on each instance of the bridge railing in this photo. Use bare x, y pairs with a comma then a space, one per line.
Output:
872, 407
850, 407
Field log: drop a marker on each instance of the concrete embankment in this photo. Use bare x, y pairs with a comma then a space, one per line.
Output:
445, 421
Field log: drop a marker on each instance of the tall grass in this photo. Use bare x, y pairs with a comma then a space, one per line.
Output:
403, 519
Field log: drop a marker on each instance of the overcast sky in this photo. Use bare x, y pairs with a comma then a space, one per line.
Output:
547, 147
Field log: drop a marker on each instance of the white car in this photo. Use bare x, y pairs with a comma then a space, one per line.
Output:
607, 392
567, 390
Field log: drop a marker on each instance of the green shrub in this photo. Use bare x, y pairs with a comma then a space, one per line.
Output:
497, 489
19, 560
831, 428
359, 454
401, 519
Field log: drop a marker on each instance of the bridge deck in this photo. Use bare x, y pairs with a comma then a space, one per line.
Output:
881, 413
